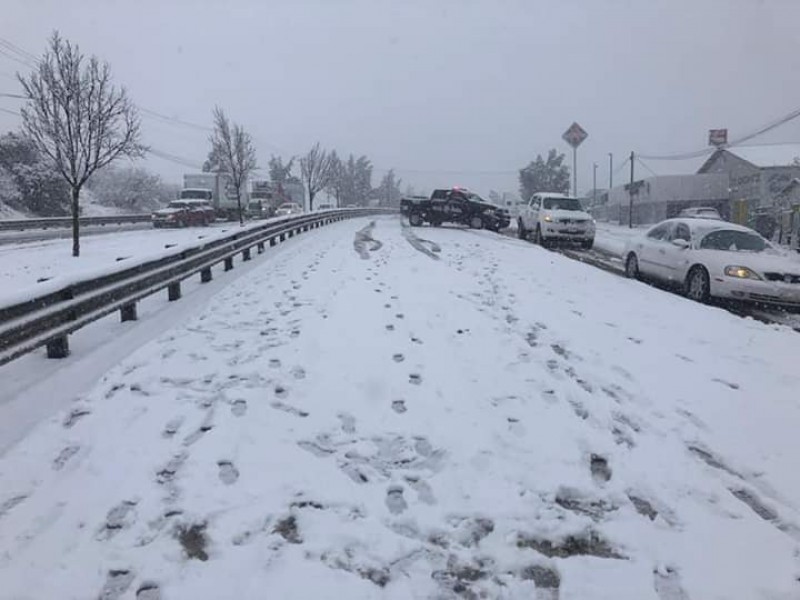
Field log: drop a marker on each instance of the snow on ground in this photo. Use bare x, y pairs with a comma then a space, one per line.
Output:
429, 413
23, 265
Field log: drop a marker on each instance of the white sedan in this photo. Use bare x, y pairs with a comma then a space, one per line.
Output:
710, 258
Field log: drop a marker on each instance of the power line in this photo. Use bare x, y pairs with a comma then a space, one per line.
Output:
15, 58
760, 131
11, 112
639, 160
5, 95
164, 118
16, 49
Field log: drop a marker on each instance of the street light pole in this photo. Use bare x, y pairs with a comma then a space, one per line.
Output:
610, 171
575, 171
594, 184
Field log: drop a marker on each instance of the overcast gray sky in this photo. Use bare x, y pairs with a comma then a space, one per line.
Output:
446, 92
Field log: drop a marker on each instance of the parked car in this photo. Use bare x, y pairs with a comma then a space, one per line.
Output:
550, 217
700, 212
324, 206
288, 208
714, 259
184, 213
456, 205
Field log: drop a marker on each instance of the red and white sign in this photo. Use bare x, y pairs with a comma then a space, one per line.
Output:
717, 137
575, 135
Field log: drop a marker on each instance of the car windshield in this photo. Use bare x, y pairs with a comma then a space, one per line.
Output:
178, 204
561, 204
732, 240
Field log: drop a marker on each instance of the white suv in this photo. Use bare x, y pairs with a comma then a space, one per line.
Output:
548, 217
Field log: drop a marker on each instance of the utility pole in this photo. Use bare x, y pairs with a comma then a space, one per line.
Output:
594, 184
630, 204
610, 171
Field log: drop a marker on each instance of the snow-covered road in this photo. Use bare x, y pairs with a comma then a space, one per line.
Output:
386, 412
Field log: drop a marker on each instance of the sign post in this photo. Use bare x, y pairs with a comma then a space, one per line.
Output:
574, 136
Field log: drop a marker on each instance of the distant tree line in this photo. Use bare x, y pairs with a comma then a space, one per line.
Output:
348, 181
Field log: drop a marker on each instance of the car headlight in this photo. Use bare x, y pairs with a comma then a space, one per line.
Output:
741, 273
548, 218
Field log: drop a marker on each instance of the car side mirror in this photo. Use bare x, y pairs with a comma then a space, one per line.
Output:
680, 243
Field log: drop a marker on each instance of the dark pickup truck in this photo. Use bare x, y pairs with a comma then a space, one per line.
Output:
456, 205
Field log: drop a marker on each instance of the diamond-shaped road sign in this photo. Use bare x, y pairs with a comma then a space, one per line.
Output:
575, 135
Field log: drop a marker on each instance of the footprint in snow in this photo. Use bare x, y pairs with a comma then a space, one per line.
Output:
415, 378
117, 583
274, 363
299, 373
64, 456
239, 408
422, 488
399, 406
390, 327
281, 392
148, 591
348, 422
601, 471
394, 499
228, 473
398, 357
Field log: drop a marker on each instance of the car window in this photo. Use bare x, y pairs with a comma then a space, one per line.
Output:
731, 240
659, 232
681, 232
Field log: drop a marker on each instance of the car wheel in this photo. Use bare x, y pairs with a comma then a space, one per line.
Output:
415, 219
521, 232
587, 244
476, 222
698, 285
632, 267
436, 223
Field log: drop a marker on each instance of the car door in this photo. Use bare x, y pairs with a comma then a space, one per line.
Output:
532, 212
649, 250
455, 207
672, 258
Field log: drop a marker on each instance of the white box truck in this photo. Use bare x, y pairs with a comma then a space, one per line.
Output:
217, 189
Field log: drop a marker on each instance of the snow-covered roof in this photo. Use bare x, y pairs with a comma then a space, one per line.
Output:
770, 155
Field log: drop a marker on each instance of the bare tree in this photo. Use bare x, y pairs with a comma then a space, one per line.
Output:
316, 171
232, 148
78, 118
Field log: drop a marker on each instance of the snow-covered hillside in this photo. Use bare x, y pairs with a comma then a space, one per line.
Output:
381, 412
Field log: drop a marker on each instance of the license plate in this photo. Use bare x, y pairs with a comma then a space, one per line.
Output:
573, 230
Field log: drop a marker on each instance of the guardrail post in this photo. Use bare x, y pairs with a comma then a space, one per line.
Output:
260, 247
174, 291
291, 233
246, 254
229, 263
58, 347
272, 241
283, 237
205, 275
128, 312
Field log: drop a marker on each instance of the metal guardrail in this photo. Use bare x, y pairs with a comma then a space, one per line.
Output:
48, 319
62, 222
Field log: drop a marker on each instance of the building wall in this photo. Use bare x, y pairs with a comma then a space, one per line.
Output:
660, 198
